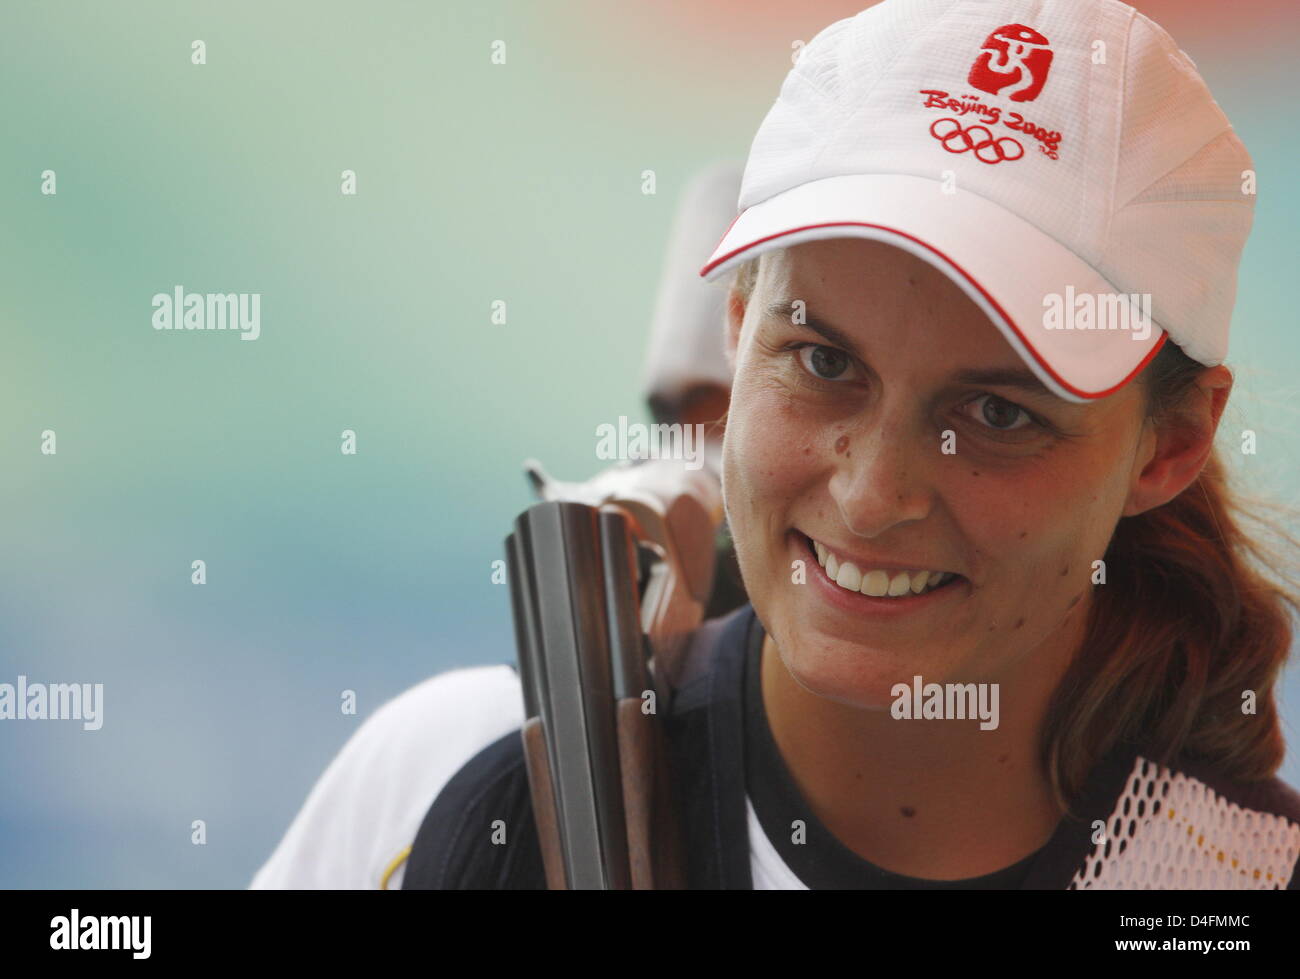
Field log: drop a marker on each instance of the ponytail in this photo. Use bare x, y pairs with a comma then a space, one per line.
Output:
1186, 640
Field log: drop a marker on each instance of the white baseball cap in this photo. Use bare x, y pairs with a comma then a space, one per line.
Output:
1061, 160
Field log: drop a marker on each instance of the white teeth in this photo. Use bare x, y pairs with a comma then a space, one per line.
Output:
849, 577
877, 583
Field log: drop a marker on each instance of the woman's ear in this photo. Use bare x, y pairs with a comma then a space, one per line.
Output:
1182, 444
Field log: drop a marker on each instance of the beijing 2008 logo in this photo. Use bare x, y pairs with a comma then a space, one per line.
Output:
983, 145
1013, 57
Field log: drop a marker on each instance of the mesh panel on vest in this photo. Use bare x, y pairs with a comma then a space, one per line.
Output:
1171, 831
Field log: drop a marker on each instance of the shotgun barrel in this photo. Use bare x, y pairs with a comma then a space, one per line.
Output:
608, 578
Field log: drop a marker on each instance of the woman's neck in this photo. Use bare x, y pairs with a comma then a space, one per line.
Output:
936, 799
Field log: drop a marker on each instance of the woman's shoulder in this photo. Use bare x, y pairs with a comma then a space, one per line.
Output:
367, 806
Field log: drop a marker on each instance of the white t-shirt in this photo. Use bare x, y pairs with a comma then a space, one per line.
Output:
363, 813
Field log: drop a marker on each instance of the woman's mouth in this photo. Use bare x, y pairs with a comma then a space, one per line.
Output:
893, 585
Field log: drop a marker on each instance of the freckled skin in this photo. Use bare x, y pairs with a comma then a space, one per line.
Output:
898, 494
1006, 512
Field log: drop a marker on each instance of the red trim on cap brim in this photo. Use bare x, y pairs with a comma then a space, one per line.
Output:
1090, 395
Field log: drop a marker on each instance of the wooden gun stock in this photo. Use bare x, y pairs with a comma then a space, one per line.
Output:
543, 794
653, 833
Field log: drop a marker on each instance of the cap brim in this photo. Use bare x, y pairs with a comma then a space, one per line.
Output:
1006, 265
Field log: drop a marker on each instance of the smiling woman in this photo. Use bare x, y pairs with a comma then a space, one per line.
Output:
976, 395
1099, 575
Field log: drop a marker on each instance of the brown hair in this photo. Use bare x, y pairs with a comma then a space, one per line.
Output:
1195, 613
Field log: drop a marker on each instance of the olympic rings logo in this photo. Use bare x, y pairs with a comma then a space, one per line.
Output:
977, 139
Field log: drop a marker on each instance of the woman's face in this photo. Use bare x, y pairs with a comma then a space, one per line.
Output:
897, 428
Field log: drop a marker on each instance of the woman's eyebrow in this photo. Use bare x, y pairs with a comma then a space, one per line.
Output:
1012, 377
786, 311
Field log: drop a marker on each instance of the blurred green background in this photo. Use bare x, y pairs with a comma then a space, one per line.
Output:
476, 182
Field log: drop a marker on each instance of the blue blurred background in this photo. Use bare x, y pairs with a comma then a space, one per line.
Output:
476, 182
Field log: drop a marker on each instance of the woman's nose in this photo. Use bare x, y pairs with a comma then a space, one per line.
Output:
882, 478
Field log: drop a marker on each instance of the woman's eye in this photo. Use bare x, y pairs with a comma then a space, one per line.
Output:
1000, 414
825, 363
